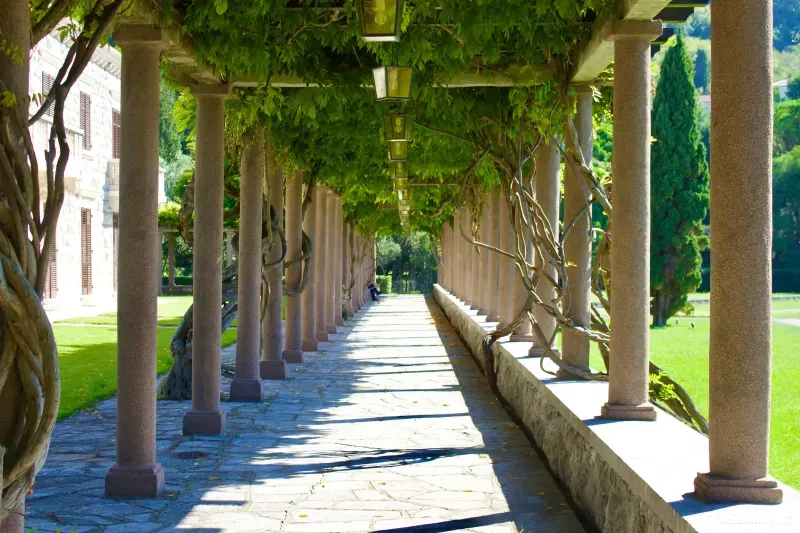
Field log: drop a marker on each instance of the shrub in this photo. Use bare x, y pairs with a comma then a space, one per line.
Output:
384, 284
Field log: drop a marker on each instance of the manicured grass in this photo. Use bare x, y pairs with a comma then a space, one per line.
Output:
683, 352
88, 356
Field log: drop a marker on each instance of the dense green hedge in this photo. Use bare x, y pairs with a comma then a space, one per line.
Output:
384, 284
783, 280
179, 280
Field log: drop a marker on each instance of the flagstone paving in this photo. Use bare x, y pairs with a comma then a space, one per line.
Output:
390, 427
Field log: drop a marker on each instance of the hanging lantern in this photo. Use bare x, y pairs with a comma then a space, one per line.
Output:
380, 20
398, 169
404, 194
405, 202
392, 83
400, 183
398, 127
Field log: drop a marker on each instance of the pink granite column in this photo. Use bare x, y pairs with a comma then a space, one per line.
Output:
330, 264
171, 259
456, 288
293, 352
272, 365
548, 195
346, 257
523, 332
309, 298
206, 417
356, 273
136, 474
578, 243
321, 264
740, 350
337, 260
461, 292
628, 396
246, 386
507, 268
493, 288
482, 283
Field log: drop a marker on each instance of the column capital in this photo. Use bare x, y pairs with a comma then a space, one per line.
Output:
582, 88
645, 30
218, 90
139, 34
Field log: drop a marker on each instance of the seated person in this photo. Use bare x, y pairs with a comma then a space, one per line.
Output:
373, 291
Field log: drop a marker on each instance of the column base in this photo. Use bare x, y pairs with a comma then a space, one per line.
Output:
134, 482
536, 351
246, 390
521, 338
330, 327
644, 411
492, 318
724, 489
197, 422
293, 356
272, 369
322, 336
472, 307
484, 312
339, 321
561, 374
309, 345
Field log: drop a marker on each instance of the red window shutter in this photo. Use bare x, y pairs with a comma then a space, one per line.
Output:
116, 125
86, 120
47, 84
86, 252
115, 219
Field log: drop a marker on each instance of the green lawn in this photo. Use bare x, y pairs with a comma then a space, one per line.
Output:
683, 352
88, 356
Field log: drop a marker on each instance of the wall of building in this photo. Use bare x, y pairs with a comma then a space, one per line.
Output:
86, 180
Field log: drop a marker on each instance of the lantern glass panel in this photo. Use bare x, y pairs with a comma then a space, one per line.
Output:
398, 150
398, 127
380, 20
392, 83
403, 194
398, 169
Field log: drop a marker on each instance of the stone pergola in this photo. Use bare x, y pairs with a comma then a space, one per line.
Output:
741, 138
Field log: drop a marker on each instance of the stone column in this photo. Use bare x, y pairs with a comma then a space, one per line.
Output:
578, 242
171, 259
548, 195
229, 248
293, 353
337, 261
356, 273
482, 283
330, 264
740, 356
630, 256
206, 417
308, 303
159, 262
246, 386
461, 244
136, 472
455, 289
492, 294
272, 365
346, 255
320, 245
507, 268
523, 332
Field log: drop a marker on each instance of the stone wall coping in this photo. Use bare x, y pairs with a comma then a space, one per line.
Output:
657, 459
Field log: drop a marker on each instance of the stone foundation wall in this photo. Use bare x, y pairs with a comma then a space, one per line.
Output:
605, 498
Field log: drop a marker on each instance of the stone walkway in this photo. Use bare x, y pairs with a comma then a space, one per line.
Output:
390, 428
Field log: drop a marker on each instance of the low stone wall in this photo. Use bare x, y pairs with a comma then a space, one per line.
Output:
625, 476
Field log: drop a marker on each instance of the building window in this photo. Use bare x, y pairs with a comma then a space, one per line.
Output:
51, 281
116, 121
47, 84
86, 252
86, 120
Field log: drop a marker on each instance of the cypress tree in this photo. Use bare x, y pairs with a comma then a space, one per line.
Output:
701, 71
679, 188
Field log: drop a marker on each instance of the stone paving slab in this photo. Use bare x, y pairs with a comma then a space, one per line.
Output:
389, 428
